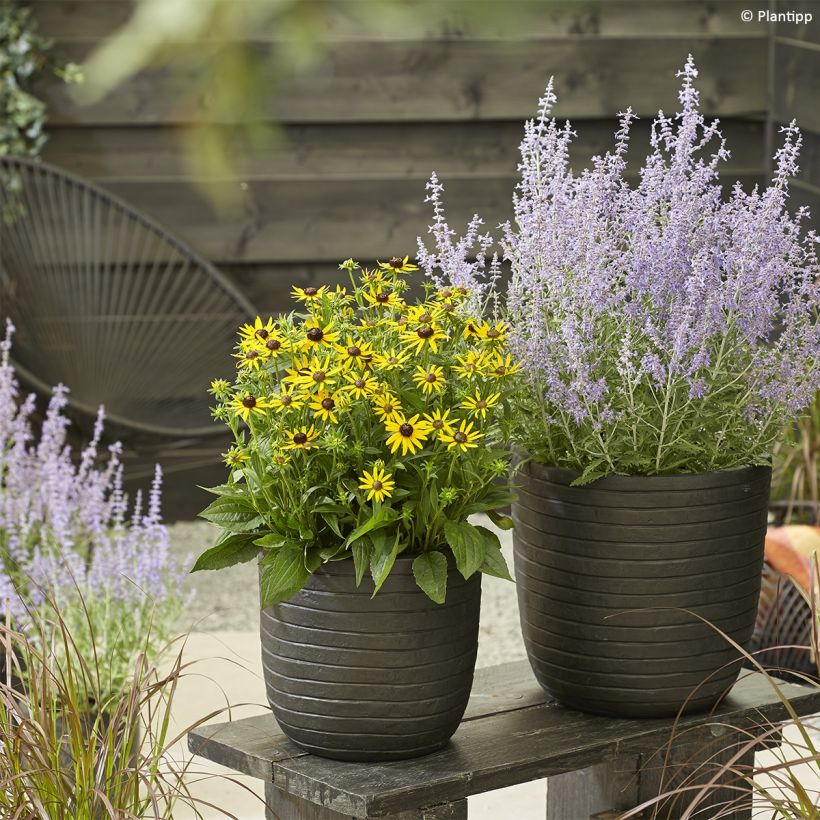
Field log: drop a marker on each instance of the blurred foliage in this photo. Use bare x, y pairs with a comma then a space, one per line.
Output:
24, 58
796, 480
234, 54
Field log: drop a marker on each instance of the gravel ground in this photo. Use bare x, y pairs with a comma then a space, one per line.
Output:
227, 600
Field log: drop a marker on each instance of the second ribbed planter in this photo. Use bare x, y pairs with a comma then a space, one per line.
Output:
612, 577
365, 679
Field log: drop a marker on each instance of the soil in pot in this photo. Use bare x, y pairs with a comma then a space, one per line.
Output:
626, 584
354, 678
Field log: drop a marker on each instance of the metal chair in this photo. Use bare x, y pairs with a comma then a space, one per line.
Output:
107, 302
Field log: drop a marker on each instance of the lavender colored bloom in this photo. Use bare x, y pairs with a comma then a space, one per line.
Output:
662, 326
66, 535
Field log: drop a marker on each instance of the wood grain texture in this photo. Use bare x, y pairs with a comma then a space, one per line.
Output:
349, 151
84, 19
447, 80
797, 83
491, 750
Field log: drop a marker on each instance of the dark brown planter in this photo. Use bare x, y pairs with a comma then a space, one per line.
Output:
610, 574
358, 679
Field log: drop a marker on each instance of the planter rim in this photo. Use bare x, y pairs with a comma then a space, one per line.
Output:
617, 481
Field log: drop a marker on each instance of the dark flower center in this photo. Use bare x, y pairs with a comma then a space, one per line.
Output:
273, 344
406, 430
481, 404
315, 334
311, 291
319, 376
328, 404
392, 360
425, 318
492, 333
430, 378
286, 399
383, 296
395, 262
354, 351
459, 437
377, 485
249, 402
251, 354
425, 332
262, 333
471, 328
501, 370
446, 294
300, 438
360, 383
438, 424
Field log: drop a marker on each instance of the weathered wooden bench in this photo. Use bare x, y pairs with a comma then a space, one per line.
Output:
512, 733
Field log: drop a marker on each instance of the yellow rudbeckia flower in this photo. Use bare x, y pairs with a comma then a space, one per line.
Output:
301, 438
390, 359
379, 483
287, 398
478, 406
440, 422
308, 295
324, 407
398, 265
317, 336
382, 297
470, 365
407, 434
424, 336
360, 384
258, 331
430, 379
463, 438
387, 407
247, 405
355, 352
500, 366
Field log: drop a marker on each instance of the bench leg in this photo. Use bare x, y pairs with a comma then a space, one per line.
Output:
637, 775
607, 787
281, 805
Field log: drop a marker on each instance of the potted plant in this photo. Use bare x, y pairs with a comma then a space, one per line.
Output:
367, 430
665, 335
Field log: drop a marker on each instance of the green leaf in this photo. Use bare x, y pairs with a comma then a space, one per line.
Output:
494, 562
503, 522
494, 500
380, 518
237, 548
235, 490
283, 574
430, 572
232, 513
361, 558
382, 558
467, 544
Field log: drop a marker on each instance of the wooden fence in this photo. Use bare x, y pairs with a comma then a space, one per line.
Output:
362, 134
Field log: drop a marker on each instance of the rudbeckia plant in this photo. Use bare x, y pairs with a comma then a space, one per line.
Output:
365, 426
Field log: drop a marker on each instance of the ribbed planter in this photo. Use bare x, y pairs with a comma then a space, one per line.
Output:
355, 678
605, 572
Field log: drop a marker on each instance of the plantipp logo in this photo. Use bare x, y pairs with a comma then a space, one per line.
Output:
766, 16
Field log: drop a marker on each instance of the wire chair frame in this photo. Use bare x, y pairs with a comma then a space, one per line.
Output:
782, 637
106, 301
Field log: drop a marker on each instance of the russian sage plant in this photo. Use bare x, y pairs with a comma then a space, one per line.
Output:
68, 543
662, 326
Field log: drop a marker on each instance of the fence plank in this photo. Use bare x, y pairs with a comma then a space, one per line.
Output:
351, 151
457, 80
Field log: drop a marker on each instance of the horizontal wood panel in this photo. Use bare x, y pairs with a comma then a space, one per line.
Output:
291, 221
456, 80
91, 19
797, 84
378, 151
808, 32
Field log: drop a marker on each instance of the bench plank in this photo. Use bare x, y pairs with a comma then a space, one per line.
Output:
514, 733
253, 745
